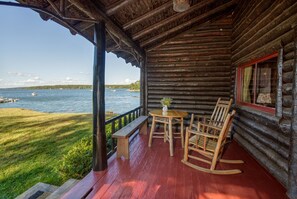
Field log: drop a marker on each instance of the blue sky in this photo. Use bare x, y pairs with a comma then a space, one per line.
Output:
36, 52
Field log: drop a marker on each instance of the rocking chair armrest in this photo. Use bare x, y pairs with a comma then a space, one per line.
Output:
203, 117
210, 126
214, 121
193, 127
203, 134
200, 119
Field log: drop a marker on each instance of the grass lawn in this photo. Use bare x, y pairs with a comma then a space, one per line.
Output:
33, 143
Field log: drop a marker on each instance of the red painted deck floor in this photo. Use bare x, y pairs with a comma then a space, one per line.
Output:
152, 173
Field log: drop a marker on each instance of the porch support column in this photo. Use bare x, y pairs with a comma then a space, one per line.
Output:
143, 86
292, 182
99, 136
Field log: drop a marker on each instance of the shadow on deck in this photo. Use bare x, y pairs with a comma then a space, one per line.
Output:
152, 173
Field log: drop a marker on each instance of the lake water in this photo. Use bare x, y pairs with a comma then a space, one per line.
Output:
70, 101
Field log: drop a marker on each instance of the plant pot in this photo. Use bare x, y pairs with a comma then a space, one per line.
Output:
165, 108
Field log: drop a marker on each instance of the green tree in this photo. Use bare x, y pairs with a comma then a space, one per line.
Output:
135, 86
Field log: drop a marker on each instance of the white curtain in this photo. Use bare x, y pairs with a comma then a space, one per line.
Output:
247, 76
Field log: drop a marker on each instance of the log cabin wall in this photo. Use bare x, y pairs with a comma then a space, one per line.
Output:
261, 28
193, 68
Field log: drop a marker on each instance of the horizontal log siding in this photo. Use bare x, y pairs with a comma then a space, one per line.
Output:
259, 29
193, 68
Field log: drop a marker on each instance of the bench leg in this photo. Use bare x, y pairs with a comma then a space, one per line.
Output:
170, 138
152, 132
182, 132
143, 128
123, 148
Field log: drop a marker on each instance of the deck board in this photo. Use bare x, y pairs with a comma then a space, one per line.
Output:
152, 173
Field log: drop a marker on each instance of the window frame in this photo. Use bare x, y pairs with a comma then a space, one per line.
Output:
239, 80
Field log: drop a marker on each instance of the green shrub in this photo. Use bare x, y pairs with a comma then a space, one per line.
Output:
78, 161
109, 143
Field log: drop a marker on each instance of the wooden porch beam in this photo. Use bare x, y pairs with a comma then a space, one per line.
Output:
90, 9
99, 136
60, 13
188, 23
116, 6
56, 9
43, 16
143, 85
63, 7
292, 181
84, 26
170, 19
147, 15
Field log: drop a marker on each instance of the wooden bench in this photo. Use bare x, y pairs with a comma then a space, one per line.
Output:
124, 133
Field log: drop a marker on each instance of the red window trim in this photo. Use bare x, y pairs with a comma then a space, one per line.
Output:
239, 84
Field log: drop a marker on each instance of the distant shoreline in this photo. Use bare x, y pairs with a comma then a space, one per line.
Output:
70, 87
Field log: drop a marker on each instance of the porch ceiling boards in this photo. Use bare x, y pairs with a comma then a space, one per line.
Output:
133, 26
152, 173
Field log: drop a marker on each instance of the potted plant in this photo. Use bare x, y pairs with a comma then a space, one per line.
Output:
166, 102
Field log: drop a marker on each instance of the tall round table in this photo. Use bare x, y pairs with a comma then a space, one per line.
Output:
169, 115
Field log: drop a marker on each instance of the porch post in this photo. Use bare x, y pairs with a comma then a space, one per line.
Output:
143, 85
292, 181
99, 137
146, 87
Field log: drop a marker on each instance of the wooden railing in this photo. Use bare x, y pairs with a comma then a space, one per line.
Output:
116, 123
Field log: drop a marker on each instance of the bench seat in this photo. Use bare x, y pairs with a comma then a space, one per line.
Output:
124, 133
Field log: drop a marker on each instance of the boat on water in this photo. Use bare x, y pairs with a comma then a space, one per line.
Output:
34, 94
8, 100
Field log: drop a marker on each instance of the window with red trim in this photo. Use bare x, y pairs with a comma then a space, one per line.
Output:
257, 82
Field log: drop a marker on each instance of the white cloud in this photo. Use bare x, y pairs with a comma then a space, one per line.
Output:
68, 80
15, 73
37, 78
20, 74
1, 80
84, 73
13, 84
30, 80
128, 81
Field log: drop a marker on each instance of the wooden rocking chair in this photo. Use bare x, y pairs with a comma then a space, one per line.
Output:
218, 116
209, 141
